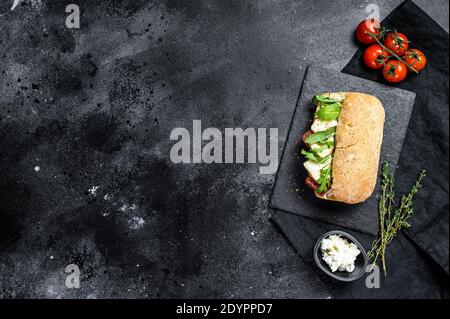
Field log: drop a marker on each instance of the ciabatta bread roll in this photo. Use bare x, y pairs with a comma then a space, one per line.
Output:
348, 159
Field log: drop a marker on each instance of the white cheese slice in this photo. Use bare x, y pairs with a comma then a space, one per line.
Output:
323, 153
314, 168
319, 126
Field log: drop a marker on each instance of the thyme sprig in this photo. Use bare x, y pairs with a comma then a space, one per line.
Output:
392, 222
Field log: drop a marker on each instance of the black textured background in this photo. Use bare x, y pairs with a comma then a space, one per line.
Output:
95, 107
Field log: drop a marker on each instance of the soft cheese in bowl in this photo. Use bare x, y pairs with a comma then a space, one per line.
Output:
339, 253
341, 256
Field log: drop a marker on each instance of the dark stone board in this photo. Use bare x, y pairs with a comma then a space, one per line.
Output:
291, 195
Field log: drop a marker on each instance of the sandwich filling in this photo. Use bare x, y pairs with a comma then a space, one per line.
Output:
320, 142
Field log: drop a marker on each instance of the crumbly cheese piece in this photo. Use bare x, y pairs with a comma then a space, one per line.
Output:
319, 126
314, 168
339, 253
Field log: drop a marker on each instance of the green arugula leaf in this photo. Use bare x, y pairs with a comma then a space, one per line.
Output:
325, 179
319, 149
325, 159
324, 100
328, 143
311, 156
320, 137
314, 156
329, 112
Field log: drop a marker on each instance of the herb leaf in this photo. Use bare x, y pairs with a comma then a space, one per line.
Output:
325, 159
311, 156
324, 99
320, 148
320, 137
329, 112
325, 179
328, 143
392, 220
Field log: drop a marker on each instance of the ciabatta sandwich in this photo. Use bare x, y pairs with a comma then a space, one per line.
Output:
343, 146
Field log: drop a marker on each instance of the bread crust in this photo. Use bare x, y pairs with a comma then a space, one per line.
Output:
356, 158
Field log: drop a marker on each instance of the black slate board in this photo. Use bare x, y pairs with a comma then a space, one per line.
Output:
290, 193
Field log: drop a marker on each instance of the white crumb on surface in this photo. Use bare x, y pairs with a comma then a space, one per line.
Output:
136, 223
93, 190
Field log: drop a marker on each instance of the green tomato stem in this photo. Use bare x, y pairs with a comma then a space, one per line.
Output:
392, 53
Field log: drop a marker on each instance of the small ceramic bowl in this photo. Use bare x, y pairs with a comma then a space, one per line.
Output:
360, 262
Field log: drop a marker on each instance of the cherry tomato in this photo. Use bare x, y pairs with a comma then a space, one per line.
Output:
365, 27
375, 56
397, 42
395, 71
416, 59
